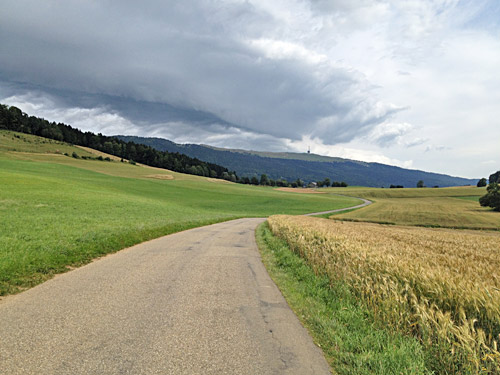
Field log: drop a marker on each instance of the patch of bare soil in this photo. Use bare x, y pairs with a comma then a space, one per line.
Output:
160, 176
300, 190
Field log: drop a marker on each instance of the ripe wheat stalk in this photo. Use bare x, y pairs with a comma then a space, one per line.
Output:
441, 286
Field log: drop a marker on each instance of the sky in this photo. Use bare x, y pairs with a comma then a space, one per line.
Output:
412, 83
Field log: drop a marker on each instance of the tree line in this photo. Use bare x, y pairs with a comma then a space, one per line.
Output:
264, 180
12, 118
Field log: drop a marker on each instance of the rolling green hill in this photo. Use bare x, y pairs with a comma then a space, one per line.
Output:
308, 167
57, 211
12, 118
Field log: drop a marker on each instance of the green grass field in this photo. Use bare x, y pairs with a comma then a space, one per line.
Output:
470, 198
58, 212
444, 207
19, 142
377, 193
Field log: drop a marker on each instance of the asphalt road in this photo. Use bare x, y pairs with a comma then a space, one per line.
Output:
366, 202
195, 302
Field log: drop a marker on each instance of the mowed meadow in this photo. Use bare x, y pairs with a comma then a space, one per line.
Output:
58, 212
455, 207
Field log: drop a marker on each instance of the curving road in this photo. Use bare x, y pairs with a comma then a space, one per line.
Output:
365, 203
195, 302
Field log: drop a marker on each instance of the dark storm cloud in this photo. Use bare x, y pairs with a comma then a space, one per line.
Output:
194, 62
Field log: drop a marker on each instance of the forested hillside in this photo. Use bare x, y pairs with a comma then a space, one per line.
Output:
307, 167
12, 118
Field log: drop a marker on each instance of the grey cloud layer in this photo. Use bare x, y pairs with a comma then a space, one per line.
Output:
267, 74
196, 55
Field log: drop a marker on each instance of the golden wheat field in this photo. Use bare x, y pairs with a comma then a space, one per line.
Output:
442, 286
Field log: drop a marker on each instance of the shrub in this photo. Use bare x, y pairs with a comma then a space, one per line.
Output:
75, 155
481, 182
492, 197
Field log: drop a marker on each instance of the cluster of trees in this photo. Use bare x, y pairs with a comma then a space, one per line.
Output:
12, 118
266, 181
495, 177
326, 183
492, 196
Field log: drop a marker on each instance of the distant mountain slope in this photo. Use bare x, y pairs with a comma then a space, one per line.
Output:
308, 167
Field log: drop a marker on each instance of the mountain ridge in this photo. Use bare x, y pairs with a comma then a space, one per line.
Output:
278, 155
307, 167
